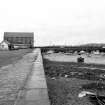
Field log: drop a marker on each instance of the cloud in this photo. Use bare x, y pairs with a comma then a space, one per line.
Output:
55, 21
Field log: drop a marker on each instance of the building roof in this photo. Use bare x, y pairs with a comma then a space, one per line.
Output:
5, 42
18, 34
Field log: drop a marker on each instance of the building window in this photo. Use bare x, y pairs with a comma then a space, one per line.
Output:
2, 46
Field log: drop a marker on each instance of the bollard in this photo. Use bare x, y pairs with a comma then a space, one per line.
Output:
80, 60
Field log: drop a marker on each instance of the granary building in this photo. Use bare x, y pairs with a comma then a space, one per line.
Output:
21, 39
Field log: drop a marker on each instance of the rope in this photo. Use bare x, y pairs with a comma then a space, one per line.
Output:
99, 101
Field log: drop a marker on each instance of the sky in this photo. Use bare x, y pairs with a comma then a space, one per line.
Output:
55, 22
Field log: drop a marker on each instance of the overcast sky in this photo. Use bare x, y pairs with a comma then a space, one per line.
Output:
67, 22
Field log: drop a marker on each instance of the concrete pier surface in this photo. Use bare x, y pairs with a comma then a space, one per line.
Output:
34, 91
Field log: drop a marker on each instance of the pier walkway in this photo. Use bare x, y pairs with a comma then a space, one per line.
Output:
34, 91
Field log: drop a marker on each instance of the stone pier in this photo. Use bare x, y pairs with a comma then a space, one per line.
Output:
35, 90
